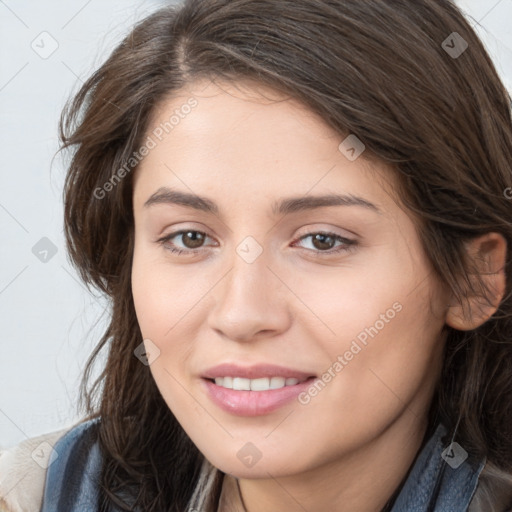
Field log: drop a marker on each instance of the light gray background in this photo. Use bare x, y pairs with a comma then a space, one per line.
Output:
49, 322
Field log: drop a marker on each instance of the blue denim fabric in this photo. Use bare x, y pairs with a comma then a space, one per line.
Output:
455, 485
72, 479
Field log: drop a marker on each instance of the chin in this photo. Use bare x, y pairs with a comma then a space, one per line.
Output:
247, 461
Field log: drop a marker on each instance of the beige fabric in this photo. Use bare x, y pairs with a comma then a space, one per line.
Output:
202, 499
23, 472
211, 479
230, 499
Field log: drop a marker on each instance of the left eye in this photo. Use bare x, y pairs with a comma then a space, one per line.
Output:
324, 242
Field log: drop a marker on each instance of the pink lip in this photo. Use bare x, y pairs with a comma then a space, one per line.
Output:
253, 372
253, 403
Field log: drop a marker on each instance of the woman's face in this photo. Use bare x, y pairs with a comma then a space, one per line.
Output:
298, 264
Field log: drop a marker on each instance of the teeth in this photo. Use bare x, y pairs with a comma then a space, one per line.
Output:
262, 384
277, 382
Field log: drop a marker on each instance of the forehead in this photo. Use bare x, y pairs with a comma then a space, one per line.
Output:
237, 116
221, 137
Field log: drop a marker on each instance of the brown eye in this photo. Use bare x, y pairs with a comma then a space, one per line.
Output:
323, 242
192, 239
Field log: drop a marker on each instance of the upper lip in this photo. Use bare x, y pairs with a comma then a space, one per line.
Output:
254, 372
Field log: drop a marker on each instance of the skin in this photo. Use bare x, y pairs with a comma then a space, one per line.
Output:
351, 446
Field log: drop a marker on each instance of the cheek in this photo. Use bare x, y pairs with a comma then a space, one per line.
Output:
380, 334
161, 309
157, 305
170, 302
163, 294
364, 294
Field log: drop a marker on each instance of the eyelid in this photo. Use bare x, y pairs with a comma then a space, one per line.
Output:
337, 231
182, 231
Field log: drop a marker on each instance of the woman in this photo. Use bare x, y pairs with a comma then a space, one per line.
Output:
299, 210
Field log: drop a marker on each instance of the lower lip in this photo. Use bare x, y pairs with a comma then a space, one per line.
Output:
253, 403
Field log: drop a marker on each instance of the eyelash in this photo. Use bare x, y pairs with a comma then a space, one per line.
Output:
348, 244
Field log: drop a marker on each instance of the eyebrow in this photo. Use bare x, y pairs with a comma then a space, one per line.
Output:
165, 195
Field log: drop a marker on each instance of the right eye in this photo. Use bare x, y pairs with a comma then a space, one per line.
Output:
191, 239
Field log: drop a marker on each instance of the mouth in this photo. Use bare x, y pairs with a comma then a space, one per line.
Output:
255, 390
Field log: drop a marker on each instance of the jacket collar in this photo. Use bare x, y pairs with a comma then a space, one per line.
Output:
443, 478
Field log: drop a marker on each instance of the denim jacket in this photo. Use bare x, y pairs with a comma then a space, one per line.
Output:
442, 479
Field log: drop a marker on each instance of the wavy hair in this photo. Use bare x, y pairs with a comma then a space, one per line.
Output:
379, 69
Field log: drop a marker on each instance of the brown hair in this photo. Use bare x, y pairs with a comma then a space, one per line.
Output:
376, 69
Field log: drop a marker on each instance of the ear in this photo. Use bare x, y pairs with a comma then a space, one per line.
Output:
487, 254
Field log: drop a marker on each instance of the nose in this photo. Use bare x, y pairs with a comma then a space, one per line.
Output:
250, 302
